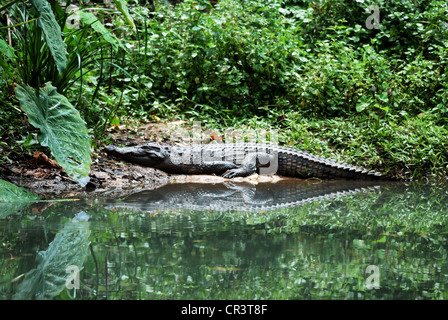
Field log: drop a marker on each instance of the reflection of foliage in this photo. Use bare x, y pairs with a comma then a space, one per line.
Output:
69, 247
318, 251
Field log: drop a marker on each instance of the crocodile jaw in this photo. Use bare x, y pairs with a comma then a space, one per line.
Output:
136, 154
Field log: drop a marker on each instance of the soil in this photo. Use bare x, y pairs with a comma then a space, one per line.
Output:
109, 177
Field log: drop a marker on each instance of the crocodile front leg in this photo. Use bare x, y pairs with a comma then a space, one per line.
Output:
251, 163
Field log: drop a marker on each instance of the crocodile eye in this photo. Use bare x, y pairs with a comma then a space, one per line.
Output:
152, 150
151, 147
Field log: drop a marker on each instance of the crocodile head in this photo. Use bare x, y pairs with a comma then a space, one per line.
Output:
149, 154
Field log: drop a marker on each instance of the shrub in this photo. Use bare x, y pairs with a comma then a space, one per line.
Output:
317, 57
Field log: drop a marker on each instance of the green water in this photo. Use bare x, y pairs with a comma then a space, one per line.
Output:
388, 243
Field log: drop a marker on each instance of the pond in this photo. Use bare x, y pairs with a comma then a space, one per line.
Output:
292, 240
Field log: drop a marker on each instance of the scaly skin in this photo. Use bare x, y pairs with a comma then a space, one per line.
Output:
244, 159
243, 197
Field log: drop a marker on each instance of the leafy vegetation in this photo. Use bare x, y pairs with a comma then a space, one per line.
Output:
69, 248
61, 129
49, 54
304, 68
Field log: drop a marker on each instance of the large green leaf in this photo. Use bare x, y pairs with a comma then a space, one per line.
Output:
53, 34
14, 198
62, 129
11, 193
69, 248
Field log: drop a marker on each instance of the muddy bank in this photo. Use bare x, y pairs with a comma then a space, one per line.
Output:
43, 176
109, 177
106, 174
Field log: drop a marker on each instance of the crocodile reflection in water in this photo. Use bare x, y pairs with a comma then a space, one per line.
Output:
230, 196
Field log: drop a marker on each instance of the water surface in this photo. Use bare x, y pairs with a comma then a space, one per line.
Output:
313, 240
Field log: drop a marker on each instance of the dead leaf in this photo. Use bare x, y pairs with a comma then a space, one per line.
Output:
41, 160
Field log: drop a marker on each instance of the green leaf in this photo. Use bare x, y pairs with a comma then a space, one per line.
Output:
69, 249
381, 240
7, 5
61, 127
385, 109
14, 198
123, 7
363, 103
383, 97
7, 50
115, 121
89, 18
53, 34
12, 193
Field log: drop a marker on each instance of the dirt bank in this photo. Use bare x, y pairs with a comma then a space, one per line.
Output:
109, 176
43, 176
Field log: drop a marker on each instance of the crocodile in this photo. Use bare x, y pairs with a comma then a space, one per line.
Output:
233, 196
238, 160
